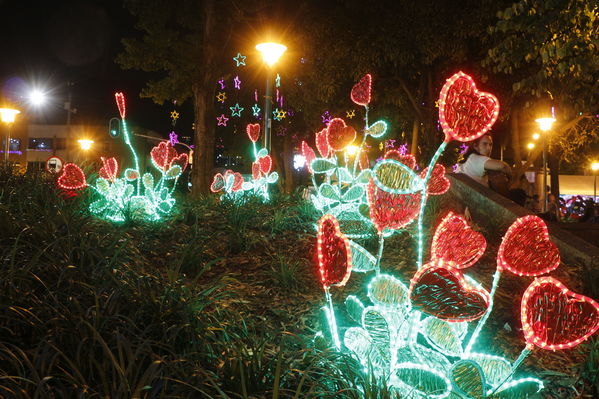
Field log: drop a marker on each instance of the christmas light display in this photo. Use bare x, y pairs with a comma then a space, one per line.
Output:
350, 114
221, 97
132, 194
239, 59
256, 110
279, 114
237, 83
236, 110
222, 120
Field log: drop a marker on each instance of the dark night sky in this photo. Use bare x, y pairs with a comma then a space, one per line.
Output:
47, 44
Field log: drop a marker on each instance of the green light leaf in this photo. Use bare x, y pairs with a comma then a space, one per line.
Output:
148, 181
520, 388
362, 260
98, 206
131, 174
262, 153
375, 323
247, 185
495, 368
357, 340
321, 165
229, 181
103, 186
344, 175
442, 336
273, 177
377, 129
173, 172
428, 357
355, 193
468, 379
423, 382
387, 291
354, 308
364, 176
395, 177
128, 191
328, 191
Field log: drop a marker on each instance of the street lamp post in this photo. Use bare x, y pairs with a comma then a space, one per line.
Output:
545, 125
595, 168
271, 52
8, 116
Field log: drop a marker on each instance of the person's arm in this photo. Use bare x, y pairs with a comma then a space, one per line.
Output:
499, 166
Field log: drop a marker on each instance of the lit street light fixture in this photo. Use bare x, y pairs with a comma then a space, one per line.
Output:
85, 144
8, 116
271, 52
545, 125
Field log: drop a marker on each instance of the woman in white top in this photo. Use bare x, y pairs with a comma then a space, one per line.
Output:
477, 161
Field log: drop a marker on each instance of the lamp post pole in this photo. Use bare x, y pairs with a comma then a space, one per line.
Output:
8, 116
267, 110
595, 168
544, 174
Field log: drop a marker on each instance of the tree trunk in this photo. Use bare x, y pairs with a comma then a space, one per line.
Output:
415, 129
553, 165
199, 179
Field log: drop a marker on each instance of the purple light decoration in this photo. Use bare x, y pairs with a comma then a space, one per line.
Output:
222, 120
390, 143
326, 117
454, 168
553, 112
277, 96
290, 112
19, 152
463, 148
281, 101
173, 138
222, 84
256, 95
237, 82
403, 149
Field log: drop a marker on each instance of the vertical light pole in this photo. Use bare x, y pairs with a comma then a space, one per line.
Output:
595, 168
271, 52
545, 125
8, 116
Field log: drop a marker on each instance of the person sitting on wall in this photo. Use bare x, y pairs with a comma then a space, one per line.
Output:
477, 162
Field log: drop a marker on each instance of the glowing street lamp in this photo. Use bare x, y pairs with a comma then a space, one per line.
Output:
536, 136
545, 125
271, 52
530, 146
8, 116
85, 144
37, 97
351, 150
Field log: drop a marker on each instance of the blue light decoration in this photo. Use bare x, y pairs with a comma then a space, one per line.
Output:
239, 59
236, 110
132, 195
256, 110
232, 185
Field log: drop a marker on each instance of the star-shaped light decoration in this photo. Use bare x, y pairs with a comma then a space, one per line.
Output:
236, 110
350, 114
237, 82
222, 120
256, 110
279, 114
222, 84
221, 97
173, 138
326, 117
174, 115
437, 104
278, 81
239, 59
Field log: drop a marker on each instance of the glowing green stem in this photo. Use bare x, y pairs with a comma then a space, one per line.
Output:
525, 352
331, 319
380, 253
363, 141
483, 320
135, 159
423, 199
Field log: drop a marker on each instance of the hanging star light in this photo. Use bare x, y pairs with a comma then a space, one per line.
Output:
173, 138
326, 117
222, 84
239, 59
222, 120
350, 114
237, 82
279, 114
221, 97
236, 110
174, 115
278, 81
256, 110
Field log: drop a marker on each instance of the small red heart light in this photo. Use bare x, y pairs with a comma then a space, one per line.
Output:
339, 135
407, 159
253, 131
131, 174
120, 103
109, 169
464, 112
454, 241
162, 155
218, 183
265, 164
334, 253
553, 317
361, 92
322, 143
308, 154
256, 172
72, 177
182, 160
391, 211
438, 184
439, 289
526, 249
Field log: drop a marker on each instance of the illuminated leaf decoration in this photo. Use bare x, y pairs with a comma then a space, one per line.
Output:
320, 165
262, 153
181, 160
357, 340
429, 358
322, 143
131, 174
329, 191
354, 308
218, 183
526, 249
265, 164
442, 336
423, 381
173, 173
72, 177
454, 241
162, 155
361, 92
364, 176
148, 181
395, 177
120, 103
334, 254
496, 369
237, 182
388, 292
354, 193
272, 177
378, 329
464, 112
253, 131
517, 389
553, 317
438, 184
377, 129
344, 175
362, 260
440, 290
339, 135
109, 169
407, 159
103, 186
309, 154
391, 211
468, 379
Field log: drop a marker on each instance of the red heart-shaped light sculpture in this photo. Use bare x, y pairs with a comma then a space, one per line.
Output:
407, 159
218, 183
553, 317
464, 112
308, 154
439, 289
265, 164
237, 180
120, 103
72, 177
322, 143
454, 241
182, 160
339, 135
437, 184
256, 172
526, 250
109, 169
334, 253
162, 155
253, 131
361, 92
131, 174
391, 211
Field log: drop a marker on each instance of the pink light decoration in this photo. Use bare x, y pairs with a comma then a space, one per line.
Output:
237, 82
120, 103
222, 120
464, 112
109, 169
526, 249
361, 92
162, 155
322, 143
182, 160
72, 177
265, 164
391, 211
438, 184
553, 317
334, 253
253, 131
339, 135
309, 154
440, 289
455, 241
